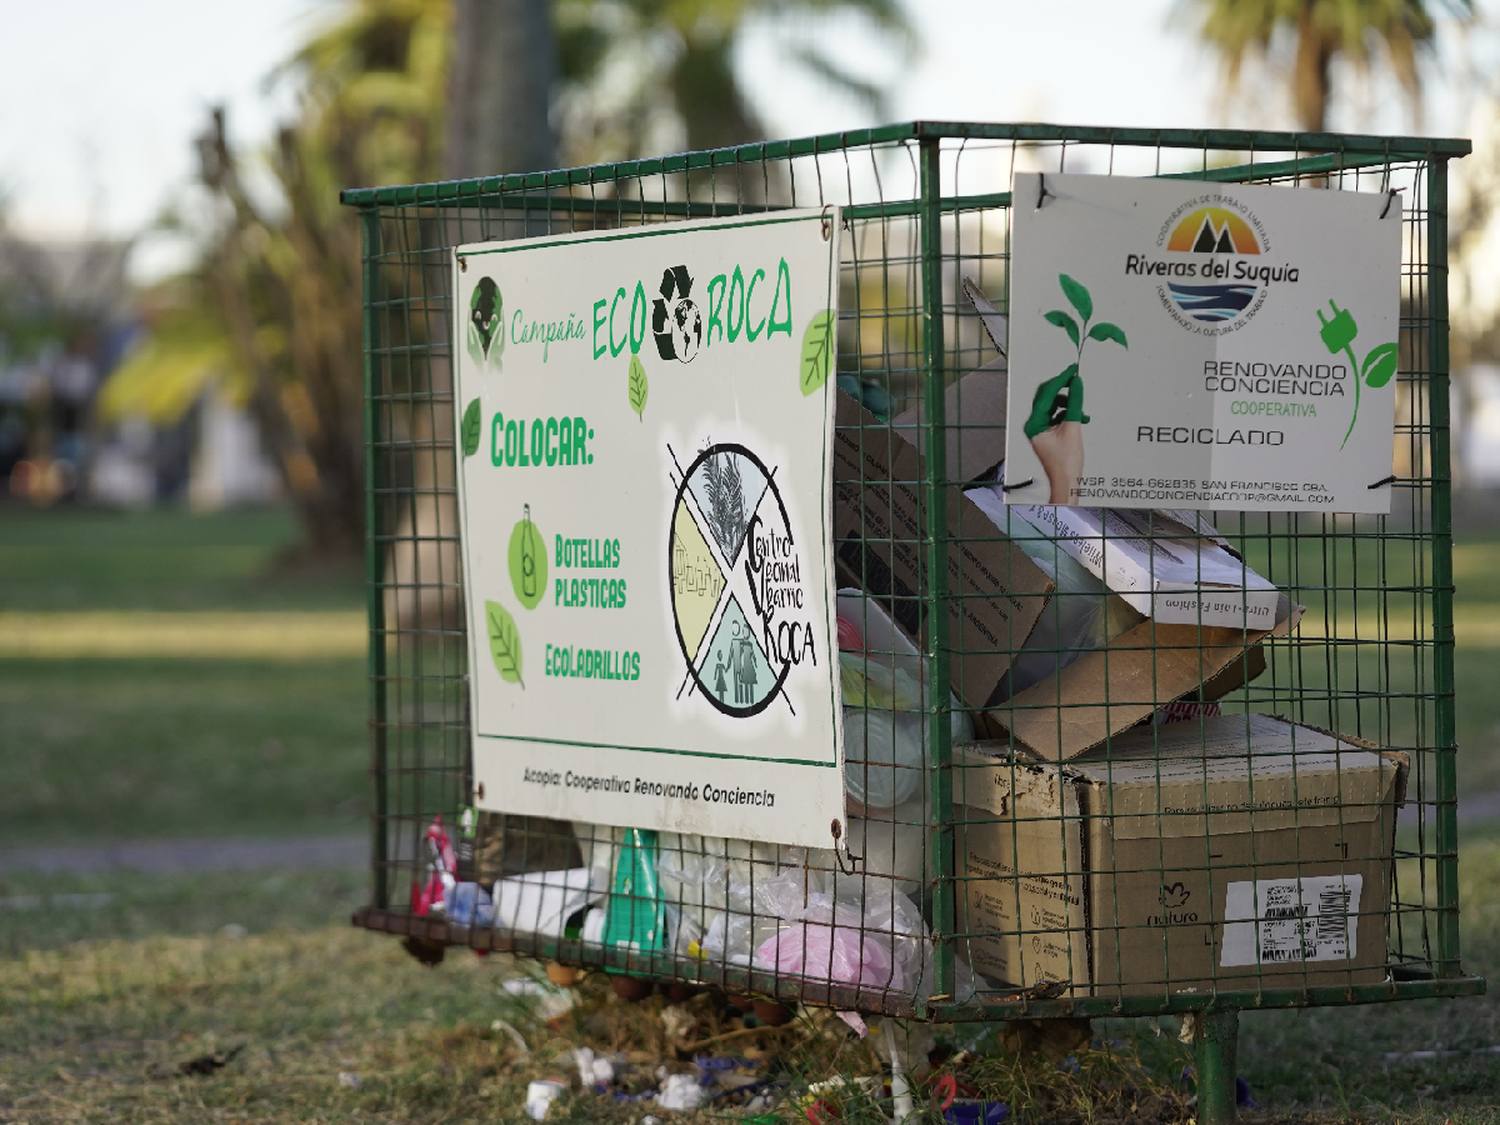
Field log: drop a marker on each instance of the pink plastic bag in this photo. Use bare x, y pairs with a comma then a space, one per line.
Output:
836, 953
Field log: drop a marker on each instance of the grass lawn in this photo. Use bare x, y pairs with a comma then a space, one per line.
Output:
96, 749
164, 559
100, 1030
108, 982
101, 749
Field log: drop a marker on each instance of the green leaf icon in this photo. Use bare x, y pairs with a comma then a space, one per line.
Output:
1065, 322
1105, 331
817, 352
505, 642
469, 431
638, 386
1380, 365
1077, 296
527, 557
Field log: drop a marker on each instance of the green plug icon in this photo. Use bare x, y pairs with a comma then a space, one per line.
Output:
1379, 366
1339, 332
1338, 336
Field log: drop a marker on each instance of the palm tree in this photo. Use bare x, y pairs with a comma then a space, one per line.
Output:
282, 276
635, 69
1323, 30
401, 91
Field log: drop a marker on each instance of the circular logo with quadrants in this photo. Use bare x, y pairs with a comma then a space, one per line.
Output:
726, 504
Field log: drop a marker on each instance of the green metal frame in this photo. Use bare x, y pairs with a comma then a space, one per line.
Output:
546, 194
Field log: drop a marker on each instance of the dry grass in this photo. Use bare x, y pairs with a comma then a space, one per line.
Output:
102, 1031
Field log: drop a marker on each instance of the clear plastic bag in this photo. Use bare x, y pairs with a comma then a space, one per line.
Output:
885, 699
1081, 616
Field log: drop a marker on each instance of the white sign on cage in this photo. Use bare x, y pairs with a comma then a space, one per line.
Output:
1176, 343
644, 424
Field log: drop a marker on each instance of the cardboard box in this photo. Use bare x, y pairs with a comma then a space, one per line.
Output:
880, 522
996, 596
974, 407
1114, 687
1241, 852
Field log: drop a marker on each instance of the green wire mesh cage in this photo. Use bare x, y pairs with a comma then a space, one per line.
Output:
979, 882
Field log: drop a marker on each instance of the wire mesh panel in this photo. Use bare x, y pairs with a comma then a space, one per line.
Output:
1057, 804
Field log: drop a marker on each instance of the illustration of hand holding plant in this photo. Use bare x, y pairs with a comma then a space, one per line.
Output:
1379, 365
1055, 425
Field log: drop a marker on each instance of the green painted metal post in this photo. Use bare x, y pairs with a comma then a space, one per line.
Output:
1445, 734
939, 720
374, 551
1216, 1040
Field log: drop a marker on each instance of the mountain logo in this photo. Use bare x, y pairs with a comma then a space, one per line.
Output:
1214, 231
486, 331
676, 322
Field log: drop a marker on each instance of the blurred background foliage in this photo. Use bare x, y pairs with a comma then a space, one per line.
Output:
404, 91
1300, 40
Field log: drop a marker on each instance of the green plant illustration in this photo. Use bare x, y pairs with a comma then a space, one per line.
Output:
469, 430
1380, 361
817, 352
1060, 398
505, 642
639, 386
527, 557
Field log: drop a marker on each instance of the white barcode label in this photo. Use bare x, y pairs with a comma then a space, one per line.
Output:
1280, 921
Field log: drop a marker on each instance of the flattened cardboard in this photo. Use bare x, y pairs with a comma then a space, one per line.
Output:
996, 591
1172, 579
1114, 687
1127, 891
975, 411
974, 406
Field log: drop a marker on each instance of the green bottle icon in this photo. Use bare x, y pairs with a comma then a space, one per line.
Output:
527, 557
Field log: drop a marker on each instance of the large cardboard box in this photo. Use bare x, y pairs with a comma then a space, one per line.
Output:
1237, 852
996, 596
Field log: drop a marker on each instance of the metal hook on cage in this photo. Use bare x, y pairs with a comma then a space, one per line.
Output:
1041, 190
825, 222
1023, 484
836, 830
1390, 197
1382, 483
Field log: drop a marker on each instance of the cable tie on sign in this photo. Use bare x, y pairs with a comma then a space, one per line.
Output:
825, 222
1041, 192
1390, 197
463, 264
1023, 484
1382, 483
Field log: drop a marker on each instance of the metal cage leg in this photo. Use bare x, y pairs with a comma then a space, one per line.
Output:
1216, 1039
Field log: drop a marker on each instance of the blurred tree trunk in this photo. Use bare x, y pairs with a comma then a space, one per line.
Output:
1310, 73
505, 66
503, 69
